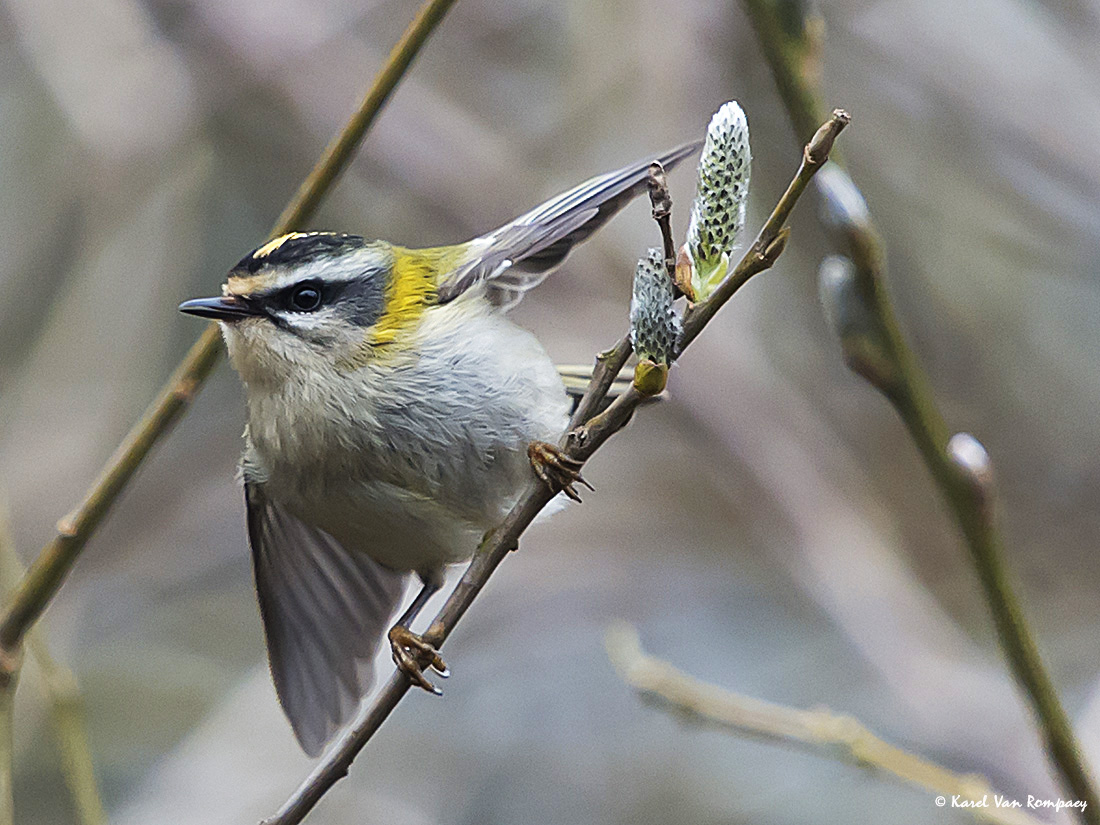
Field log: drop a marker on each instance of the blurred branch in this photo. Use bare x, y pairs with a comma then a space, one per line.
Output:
819, 731
9, 678
339, 153
48, 571
66, 705
70, 729
9, 672
854, 294
586, 434
791, 36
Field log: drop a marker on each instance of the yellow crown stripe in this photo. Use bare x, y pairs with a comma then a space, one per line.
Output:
275, 243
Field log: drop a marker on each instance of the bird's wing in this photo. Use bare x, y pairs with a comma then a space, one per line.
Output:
519, 255
324, 611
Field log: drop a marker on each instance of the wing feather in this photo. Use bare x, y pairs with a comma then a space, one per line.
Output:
324, 612
519, 255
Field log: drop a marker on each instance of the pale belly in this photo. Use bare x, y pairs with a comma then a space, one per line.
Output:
414, 459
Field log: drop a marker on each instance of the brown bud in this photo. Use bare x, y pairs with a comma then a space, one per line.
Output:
684, 267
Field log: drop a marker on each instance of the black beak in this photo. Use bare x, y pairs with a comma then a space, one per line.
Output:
226, 308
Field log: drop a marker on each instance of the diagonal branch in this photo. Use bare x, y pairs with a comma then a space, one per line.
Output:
49, 570
586, 435
854, 292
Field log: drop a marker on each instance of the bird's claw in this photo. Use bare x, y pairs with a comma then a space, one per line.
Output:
412, 653
558, 470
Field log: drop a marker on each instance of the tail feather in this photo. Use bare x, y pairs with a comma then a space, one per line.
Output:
576, 378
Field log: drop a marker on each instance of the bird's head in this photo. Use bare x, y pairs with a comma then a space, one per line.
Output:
313, 301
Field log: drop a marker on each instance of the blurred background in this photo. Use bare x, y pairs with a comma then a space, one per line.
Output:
769, 528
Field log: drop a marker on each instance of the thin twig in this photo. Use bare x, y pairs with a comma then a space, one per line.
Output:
878, 352
586, 434
661, 201
819, 730
49, 570
608, 366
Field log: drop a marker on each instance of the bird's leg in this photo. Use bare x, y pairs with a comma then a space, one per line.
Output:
413, 652
556, 469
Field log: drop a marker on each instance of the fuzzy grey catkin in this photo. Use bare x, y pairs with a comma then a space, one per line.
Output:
718, 211
654, 323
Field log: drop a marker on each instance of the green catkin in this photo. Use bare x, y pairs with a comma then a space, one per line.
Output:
654, 323
718, 212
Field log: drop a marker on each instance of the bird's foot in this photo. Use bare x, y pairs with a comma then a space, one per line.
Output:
559, 471
412, 653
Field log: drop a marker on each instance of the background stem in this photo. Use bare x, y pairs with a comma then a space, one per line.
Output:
817, 730
792, 48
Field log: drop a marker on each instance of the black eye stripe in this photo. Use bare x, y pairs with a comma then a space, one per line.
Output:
358, 300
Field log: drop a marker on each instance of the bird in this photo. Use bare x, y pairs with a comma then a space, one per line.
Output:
394, 415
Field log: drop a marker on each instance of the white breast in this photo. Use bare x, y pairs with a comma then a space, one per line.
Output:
414, 455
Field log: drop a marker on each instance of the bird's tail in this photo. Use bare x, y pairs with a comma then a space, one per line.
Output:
575, 377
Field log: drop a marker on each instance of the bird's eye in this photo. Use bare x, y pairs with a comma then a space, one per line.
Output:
305, 298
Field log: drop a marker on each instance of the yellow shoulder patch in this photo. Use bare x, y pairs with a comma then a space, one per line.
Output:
411, 290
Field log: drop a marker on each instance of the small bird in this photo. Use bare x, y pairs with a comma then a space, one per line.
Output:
394, 416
